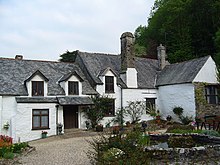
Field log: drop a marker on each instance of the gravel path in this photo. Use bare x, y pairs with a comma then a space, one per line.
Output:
58, 151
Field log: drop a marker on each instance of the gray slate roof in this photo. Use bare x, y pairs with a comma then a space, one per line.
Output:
96, 63
74, 100
13, 74
184, 72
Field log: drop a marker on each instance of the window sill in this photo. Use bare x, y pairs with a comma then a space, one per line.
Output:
36, 129
109, 92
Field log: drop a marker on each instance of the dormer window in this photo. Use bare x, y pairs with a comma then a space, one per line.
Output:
37, 88
109, 84
73, 88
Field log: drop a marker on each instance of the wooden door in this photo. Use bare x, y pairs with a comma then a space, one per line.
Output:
70, 114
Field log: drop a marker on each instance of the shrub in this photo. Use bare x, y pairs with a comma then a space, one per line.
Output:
178, 111
210, 132
187, 128
8, 155
181, 141
119, 149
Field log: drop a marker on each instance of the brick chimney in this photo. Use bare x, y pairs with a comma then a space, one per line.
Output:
128, 71
18, 57
161, 56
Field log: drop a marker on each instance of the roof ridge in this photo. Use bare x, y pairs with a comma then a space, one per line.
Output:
12, 59
101, 54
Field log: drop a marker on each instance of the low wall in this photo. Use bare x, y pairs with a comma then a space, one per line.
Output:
206, 153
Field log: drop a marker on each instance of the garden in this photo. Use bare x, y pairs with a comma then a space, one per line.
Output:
10, 150
156, 141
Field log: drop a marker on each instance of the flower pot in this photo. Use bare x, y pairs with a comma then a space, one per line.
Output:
43, 135
99, 128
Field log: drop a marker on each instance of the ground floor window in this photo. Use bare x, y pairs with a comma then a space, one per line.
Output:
40, 118
211, 94
110, 108
150, 102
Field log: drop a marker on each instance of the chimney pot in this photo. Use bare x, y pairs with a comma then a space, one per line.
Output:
19, 57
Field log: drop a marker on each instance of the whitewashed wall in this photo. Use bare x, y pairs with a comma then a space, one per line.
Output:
9, 106
138, 95
23, 127
207, 73
171, 96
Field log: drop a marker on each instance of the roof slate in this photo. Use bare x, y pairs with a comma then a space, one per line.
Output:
184, 72
13, 74
95, 63
74, 100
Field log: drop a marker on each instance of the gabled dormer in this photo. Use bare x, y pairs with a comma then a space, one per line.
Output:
108, 77
37, 84
71, 83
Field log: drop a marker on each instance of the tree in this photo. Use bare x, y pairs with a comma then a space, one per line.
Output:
134, 110
96, 112
68, 56
186, 27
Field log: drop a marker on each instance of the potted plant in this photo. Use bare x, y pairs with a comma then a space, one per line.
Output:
158, 117
44, 134
6, 126
99, 128
60, 128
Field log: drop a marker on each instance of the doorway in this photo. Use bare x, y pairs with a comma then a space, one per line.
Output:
70, 115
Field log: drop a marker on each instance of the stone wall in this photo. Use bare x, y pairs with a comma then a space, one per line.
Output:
202, 107
206, 153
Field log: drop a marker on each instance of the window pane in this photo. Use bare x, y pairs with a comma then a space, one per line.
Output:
36, 112
36, 121
44, 112
44, 121
109, 84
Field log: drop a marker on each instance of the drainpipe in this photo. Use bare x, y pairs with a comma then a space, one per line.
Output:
121, 106
57, 107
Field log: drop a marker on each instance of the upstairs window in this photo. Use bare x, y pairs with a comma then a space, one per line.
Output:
73, 88
37, 88
40, 118
211, 94
109, 84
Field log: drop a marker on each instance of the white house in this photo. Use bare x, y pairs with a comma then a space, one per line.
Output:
37, 95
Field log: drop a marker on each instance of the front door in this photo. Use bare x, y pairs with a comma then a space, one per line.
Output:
70, 115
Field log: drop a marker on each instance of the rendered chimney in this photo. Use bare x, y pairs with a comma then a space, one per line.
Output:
127, 51
19, 57
161, 55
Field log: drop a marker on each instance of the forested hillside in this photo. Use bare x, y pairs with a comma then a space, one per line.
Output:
188, 28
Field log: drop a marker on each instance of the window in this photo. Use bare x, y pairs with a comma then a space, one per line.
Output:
110, 108
40, 118
37, 88
211, 94
73, 88
109, 84
150, 102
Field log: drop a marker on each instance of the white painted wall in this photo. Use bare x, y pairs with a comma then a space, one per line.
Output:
36, 78
23, 130
9, 106
207, 73
138, 95
130, 77
171, 96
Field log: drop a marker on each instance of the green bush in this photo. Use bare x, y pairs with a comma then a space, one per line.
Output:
8, 155
210, 132
178, 111
126, 148
181, 141
187, 128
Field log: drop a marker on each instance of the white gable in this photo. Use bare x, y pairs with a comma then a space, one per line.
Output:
207, 73
36, 78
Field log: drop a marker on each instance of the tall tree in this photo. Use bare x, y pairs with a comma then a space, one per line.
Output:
186, 27
68, 56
